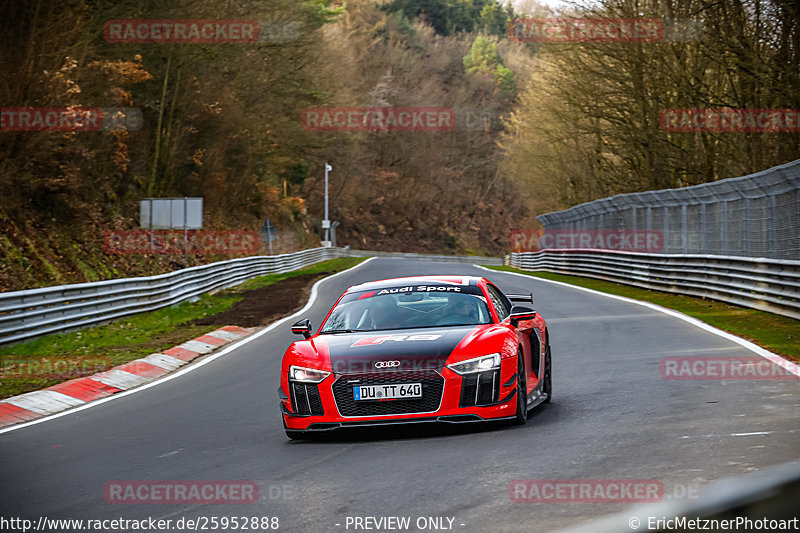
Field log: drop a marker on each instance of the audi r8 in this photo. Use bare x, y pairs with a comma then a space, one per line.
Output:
421, 349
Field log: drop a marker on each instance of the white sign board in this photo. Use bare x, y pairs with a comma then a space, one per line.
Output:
171, 213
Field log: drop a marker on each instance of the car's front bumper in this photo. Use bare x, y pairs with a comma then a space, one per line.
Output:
317, 409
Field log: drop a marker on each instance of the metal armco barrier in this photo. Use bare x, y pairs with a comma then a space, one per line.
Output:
771, 285
33, 313
498, 261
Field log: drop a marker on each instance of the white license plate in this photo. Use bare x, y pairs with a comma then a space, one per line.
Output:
387, 392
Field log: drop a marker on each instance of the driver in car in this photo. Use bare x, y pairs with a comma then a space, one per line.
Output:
462, 308
383, 313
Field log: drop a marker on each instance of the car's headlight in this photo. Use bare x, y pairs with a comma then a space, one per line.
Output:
307, 375
478, 364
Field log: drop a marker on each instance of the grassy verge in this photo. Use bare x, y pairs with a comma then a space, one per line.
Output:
129, 338
774, 332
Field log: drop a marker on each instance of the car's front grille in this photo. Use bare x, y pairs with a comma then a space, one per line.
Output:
432, 388
305, 399
481, 388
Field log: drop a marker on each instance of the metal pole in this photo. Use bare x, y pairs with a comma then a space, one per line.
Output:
152, 246
703, 228
746, 232
685, 229
328, 168
724, 228
773, 227
186, 231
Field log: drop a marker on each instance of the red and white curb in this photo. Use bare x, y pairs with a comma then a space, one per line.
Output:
76, 392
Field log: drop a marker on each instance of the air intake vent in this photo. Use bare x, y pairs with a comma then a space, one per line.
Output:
478, 389
305, 399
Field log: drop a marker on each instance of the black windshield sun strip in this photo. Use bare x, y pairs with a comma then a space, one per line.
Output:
410, 327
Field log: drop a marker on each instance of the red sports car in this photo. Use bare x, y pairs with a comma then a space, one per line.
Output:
421, 349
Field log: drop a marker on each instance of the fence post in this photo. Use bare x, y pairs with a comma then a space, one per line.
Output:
773, 223
703, 228
746, 232
685, 229
724, 228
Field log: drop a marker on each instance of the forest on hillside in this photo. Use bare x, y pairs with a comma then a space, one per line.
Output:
537, 126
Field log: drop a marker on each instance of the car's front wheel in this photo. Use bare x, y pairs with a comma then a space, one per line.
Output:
522, 392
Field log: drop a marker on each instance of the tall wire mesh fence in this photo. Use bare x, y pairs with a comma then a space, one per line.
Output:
751, 216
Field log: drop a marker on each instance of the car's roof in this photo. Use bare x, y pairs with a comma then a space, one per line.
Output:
418, 280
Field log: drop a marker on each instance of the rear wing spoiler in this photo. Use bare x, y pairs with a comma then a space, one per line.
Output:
525, 298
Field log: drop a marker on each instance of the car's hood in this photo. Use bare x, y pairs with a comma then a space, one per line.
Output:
387, 351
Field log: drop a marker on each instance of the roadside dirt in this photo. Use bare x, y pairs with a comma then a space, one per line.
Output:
267, 304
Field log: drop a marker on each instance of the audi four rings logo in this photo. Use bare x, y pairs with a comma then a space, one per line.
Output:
387, 364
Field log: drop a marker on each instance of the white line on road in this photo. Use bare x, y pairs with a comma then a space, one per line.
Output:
750, 434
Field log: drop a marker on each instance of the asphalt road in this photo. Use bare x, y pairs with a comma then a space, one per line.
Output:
613, 417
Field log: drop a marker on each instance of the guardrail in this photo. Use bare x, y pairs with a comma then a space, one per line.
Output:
33, 313
497, 261
36, 312
771, 285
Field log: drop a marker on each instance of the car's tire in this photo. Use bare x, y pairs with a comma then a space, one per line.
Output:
547, 386
522, 392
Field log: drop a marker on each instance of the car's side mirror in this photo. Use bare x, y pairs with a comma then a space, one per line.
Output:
519, 312
302, 327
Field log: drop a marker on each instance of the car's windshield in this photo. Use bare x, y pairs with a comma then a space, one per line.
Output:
403, 310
